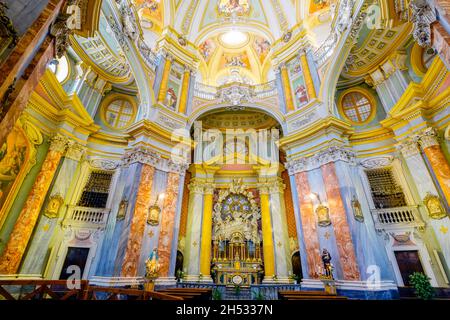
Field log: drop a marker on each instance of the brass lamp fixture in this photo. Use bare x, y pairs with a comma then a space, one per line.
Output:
322, 211
154, 211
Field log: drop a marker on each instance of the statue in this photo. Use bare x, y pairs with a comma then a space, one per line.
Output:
326, 259
152, 265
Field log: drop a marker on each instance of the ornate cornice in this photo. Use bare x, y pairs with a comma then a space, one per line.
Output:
331, 154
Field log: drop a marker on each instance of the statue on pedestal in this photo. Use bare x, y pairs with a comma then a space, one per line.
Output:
326, 259
152, 266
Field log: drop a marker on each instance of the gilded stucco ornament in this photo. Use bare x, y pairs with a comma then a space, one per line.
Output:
434, 206
323, 215
357, 211
121, 213
53, 206
422, 16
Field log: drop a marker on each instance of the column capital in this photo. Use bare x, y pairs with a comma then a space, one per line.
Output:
408, 148
75, 150
330, 154
141, 155
177, 167
428, 138
58, 143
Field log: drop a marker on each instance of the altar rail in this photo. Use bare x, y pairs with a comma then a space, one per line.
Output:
87, 217
59, 290
394, 218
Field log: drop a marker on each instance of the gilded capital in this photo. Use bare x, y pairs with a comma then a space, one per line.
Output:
428, 138
58, 143
75, 151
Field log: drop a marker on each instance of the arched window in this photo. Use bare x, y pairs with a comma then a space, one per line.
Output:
357, 106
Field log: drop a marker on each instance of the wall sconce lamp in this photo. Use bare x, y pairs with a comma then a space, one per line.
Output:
322, 211
154, 211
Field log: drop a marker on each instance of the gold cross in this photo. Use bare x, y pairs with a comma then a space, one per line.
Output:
443, 229
195, 243
46, 227
279, 244
151, 234
327, 235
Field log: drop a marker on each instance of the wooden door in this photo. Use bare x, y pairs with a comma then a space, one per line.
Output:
408, 263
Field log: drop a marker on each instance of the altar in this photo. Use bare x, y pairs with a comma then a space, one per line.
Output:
236, 255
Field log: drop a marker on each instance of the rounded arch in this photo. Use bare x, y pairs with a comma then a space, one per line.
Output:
336, 63
275, 114
138, 67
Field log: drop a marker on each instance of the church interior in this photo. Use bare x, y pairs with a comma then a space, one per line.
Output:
226, 149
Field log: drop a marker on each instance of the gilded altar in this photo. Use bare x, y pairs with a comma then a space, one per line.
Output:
237, 241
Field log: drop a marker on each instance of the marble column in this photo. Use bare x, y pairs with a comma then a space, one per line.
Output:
168, 223
307, 74
205, 253
23, 229
287, 88
193, 233
165, 79
425, 186
184, 91
283, 263
340, 224
308, 223
48, 229
439, 164
134, 244
267, 234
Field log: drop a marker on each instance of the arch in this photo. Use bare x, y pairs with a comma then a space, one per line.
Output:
138, 67
336, 63
276, 114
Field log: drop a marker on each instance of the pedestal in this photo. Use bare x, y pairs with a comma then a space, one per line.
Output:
329, 285
149, 285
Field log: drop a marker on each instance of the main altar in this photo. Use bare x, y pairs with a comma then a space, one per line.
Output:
236, 256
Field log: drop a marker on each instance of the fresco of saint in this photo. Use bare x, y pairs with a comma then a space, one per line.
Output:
229, 7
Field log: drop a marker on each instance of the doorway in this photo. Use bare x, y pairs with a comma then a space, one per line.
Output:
408, 263
179, 264
75, 257
297, 266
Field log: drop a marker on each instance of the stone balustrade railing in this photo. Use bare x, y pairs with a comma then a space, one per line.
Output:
260, 91
394, 218
86, 217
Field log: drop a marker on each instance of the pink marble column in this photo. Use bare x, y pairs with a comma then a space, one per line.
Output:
339, 221
309, 225
23, 229
168, 223
132, 254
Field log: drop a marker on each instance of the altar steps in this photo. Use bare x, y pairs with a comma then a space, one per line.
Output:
189, 293
308, 295
232, 294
